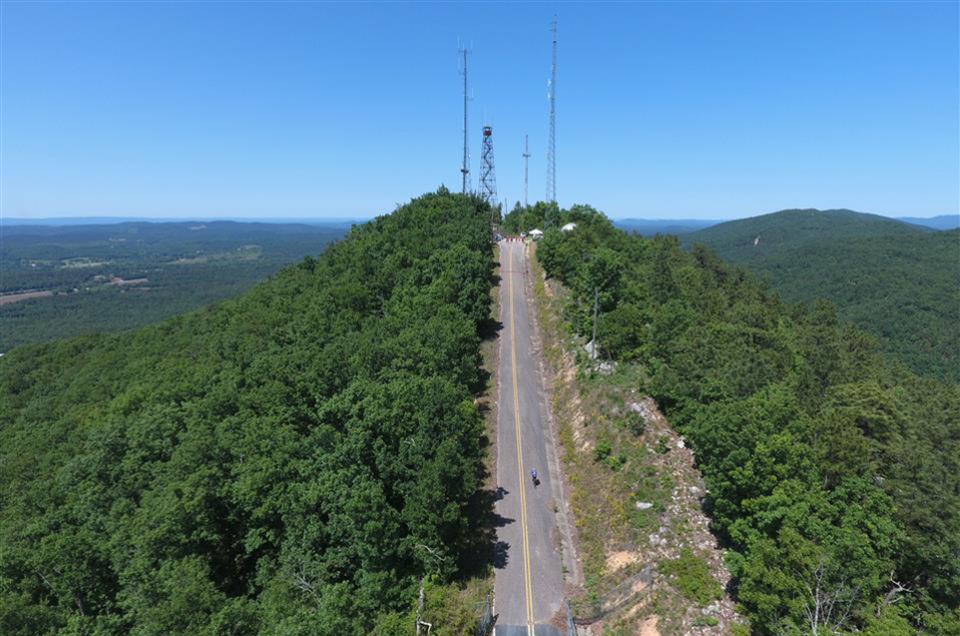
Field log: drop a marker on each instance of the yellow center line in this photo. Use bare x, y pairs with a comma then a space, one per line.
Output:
521, 472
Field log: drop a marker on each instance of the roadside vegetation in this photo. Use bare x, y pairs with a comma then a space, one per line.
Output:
635, 493
833, 477
299, 460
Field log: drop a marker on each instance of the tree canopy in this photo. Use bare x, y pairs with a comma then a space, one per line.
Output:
293, 461
834, 476
894, 280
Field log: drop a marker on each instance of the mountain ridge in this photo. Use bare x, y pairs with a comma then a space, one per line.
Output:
893, 279
939, 222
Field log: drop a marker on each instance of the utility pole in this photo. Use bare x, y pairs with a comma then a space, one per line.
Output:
526, 169
552, 141
596, 305
465, 166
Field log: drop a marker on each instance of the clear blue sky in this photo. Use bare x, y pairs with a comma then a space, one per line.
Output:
664, 110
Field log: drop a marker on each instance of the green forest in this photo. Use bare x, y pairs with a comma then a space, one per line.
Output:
293, 461
896, 281
185, 266
833, 475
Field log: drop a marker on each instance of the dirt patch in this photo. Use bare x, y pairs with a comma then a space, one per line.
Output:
621, 559
79, 263
120, 282
8, 299
648, 626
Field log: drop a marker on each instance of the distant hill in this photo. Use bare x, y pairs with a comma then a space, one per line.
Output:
71, 220
60, 281
64, 221
157, 232
650, 227
760, 236
942, 222
895, 280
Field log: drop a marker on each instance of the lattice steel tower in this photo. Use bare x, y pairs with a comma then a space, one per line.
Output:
488, 176
465, 166
552, 142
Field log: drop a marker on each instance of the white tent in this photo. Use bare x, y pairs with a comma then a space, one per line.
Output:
568, 227
536, 235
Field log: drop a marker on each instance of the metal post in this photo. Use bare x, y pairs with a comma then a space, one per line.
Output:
596, 305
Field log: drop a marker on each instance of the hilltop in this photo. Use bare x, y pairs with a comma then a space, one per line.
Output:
292, 461
760, 236
649, 227
895, 280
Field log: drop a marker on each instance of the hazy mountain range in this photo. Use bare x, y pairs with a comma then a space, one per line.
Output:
641, 226
685, 226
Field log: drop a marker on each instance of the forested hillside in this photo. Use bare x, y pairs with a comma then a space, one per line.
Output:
834, 479
761, 236
63, 281
897, 281
293, 461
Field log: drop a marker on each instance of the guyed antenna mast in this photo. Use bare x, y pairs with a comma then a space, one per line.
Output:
526, 168
465, 166
552, 142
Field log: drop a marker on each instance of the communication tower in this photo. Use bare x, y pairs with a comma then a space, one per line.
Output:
465, 166
526, 168
552, 142
488, 176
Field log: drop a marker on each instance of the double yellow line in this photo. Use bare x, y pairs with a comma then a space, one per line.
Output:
521, 472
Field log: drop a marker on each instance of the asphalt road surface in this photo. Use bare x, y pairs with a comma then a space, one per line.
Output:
529, 577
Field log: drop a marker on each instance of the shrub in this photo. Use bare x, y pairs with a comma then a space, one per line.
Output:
602, 450
691, 576
635, 423
662, 445
616, 462
739, 629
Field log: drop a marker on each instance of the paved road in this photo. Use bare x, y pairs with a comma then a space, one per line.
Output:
529, 576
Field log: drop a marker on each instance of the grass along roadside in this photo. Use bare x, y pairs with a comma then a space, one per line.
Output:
635, 495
